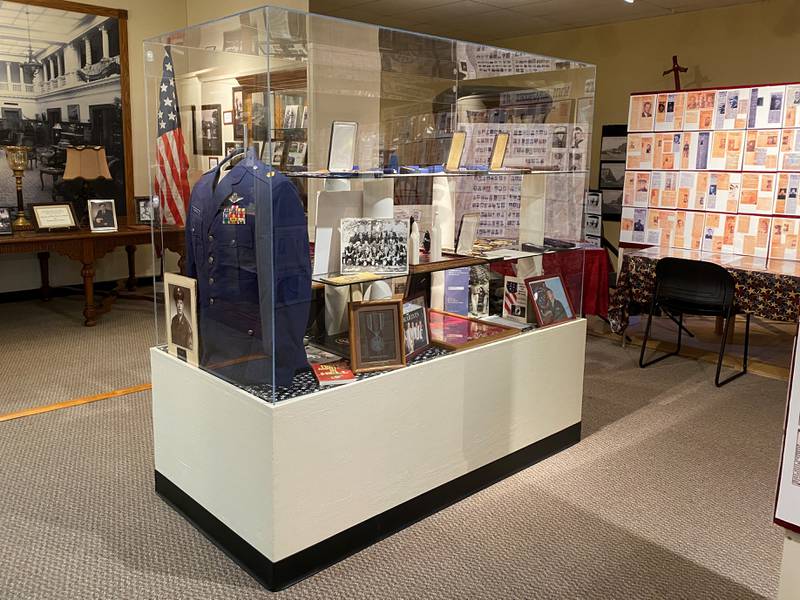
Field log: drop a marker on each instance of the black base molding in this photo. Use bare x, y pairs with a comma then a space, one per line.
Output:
278, 575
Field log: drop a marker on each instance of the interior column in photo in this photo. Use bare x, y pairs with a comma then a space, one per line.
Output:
88, 47
8, 74
104, 37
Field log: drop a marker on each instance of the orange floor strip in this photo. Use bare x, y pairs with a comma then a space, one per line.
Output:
76, 402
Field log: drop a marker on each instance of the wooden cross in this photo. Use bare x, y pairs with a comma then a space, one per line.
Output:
676, 70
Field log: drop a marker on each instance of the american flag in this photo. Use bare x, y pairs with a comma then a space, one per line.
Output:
172, 179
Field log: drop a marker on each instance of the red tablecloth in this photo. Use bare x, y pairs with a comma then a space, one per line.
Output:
586, 266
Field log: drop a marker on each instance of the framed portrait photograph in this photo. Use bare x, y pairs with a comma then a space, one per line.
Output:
550, 300
374, 246
376, 336
230, 147
612, 175
342, 150
211, 129
416, 332
593, 225
146, 213
102, 217
467, 232
227, 117
74, 113
180, 304
457, 332
54, 216
5, 221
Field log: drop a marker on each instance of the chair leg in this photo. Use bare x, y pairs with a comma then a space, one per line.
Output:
728, 322
679, 322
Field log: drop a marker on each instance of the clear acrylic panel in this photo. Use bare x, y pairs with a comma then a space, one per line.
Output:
274, 82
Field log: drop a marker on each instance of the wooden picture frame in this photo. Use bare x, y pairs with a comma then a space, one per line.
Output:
414, 314
372, 346
457, 332
227, 117
101, 223
544, 314
121, 16
53, 216
181, 322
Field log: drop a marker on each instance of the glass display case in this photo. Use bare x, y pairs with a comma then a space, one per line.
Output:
332, 177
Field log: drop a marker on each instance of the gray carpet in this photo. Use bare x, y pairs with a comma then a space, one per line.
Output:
48, 356
669, 495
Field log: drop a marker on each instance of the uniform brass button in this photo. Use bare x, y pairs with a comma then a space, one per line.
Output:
233, 242
210, 238
211, 301
211, 280
211, 260
249, 332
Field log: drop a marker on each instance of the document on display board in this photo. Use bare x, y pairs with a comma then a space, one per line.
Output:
790, 150
766, 107
752, 235
785, 235
660, 227
640, 113
632, 225
761, 150
732, 109
699, 112
786, 195
723, 192
669, 111
640, 151
688, 230
758, 193
663, 189
637, 188
727, 149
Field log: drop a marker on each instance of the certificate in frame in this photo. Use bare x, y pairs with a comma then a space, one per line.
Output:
54, 216
342, 151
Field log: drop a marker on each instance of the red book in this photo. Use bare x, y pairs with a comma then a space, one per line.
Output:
335, 373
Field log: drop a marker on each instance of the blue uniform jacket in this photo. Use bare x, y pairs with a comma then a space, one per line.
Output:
247, 246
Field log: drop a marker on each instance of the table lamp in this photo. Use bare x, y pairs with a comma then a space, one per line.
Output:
17, 157
89, 164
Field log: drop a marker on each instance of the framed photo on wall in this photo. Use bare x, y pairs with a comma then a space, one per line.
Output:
211, 129
180, 304
237, 117
227, 117
74, 113
376, 336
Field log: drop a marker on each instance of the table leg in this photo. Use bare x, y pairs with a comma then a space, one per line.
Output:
89, 311
131, 250
41, 178
44, 274
719, 325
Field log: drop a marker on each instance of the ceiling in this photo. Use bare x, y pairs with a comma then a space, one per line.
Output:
484, 20
48, 27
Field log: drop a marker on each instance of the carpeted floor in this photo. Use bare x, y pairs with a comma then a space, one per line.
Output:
669, 495
49, 356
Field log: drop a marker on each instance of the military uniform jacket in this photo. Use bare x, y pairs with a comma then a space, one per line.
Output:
247, 246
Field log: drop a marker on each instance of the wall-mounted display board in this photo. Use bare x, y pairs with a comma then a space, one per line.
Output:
714, 170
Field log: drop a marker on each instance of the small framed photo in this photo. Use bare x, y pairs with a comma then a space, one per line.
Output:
213, 161
102, 216
376, 336
227, 117
612, 175
416, 330
550, 300
374, 246
54, 216
230, 147
5, 221
146, 213
594, 203
181, 311
467, 233
593, 225
614, 147
342, 151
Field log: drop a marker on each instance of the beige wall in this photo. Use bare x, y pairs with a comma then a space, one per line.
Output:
744, 44
200, 11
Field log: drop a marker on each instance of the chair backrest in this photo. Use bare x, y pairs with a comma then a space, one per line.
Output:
694, 283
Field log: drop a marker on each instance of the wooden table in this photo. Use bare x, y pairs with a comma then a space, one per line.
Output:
87, 247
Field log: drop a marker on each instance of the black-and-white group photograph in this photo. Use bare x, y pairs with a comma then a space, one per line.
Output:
374, 246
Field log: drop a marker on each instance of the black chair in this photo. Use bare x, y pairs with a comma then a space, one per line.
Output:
695, 287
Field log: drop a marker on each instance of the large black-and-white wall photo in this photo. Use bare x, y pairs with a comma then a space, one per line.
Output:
59, 86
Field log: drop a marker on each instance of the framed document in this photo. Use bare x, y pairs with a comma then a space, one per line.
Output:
51, 216
342, 153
